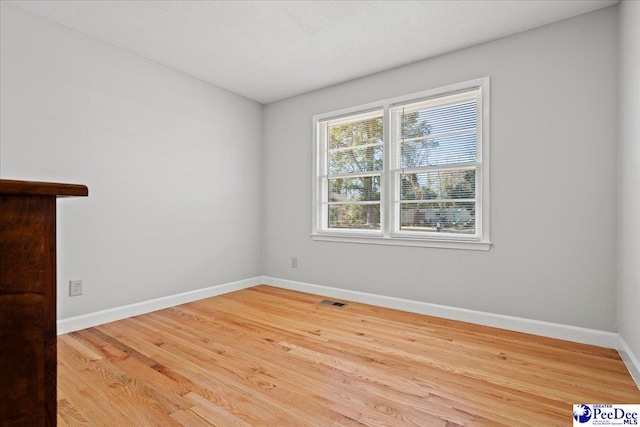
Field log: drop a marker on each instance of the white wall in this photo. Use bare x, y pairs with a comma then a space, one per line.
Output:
159, 151
629, 206
172, 165
554, 182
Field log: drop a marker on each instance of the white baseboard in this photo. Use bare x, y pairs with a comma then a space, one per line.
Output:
519, 324
629, 359
111, 315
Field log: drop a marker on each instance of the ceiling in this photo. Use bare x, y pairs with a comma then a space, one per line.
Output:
271, 50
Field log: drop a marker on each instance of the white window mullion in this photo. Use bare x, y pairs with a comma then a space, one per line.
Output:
387, 183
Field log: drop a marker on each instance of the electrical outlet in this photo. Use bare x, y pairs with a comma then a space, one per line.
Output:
75, 288
294, 262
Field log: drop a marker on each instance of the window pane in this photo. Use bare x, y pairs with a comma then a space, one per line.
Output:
362, 189
355, 160
447, 118
439, 151
362, 132
451, 217
365, 217
456, 184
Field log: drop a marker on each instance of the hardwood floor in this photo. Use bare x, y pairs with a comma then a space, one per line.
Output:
270, 357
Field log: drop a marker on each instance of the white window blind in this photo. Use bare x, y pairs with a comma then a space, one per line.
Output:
435, 165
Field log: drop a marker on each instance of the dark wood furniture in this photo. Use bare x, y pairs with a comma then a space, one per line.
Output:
28, 300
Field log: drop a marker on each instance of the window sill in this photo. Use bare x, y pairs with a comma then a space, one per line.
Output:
473, 245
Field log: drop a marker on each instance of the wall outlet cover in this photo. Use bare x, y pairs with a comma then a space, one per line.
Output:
75, 288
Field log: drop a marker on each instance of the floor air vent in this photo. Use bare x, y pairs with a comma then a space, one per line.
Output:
334, 303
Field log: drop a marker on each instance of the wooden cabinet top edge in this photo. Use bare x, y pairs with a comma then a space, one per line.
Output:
35, 188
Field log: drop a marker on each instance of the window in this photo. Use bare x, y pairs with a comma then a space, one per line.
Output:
353, 160
412, 170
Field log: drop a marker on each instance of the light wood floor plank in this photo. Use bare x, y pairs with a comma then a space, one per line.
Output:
421, 391
266, 356
260, 359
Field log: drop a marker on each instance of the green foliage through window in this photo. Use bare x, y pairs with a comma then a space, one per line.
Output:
355, 148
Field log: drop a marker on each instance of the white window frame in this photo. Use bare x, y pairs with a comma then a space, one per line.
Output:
388, 234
